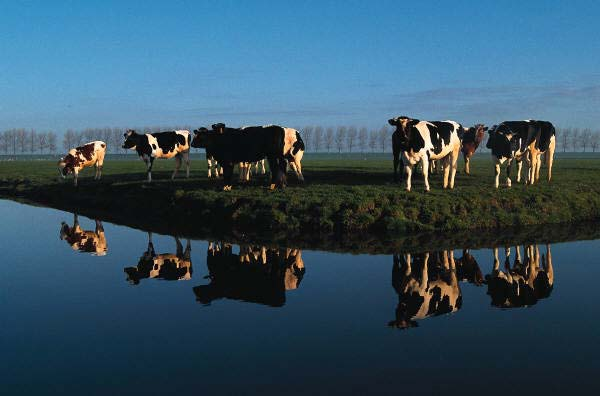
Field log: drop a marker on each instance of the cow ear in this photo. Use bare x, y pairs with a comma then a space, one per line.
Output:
413, 122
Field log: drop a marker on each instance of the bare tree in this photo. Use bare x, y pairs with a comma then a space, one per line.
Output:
329, 138
594, 141
383, 138
340, 135
318, 138
351, 138
565, 135
575, 138
69, 139
51, 142
585, 138
363, 136
3, 143
307, 136
373, 140
41, 141
32, 137
22, 140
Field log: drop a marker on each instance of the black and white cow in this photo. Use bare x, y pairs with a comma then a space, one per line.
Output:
420, 294
257, 274
167, 266
90, 154
150, 146
521, 140
423, 141
525, 282
231, 146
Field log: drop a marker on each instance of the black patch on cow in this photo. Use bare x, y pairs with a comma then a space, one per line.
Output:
168, 140
545, 130
298, 145
440, 135
415, 140
87, 150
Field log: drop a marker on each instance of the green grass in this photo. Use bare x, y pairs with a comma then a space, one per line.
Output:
353, 196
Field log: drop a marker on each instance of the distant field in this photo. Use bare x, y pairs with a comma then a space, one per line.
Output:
347, 195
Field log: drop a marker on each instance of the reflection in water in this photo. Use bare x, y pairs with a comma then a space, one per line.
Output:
428, 283
524, 283
165, 266
256, 274
93, 242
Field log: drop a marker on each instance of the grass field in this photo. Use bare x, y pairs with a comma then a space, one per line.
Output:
351, 196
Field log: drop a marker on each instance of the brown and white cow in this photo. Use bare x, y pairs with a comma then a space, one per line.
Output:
471, 139
89, 154
150, 146
93, 242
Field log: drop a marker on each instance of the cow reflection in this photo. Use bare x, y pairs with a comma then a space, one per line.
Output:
257, 274
166, 266
525, 282
93, 242
427, 285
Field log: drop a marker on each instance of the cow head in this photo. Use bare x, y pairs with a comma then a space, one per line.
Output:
131, 139
480, 130
66, 165
219, 127
403, 126
200, 137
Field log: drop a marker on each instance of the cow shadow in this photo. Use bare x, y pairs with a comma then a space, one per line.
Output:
256, 274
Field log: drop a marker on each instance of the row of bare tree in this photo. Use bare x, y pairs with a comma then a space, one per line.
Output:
347, 139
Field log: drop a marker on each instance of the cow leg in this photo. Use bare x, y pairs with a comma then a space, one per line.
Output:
273, 170
298, 169
177, 166
75, 175
396, 163
408, 168
519, 169
425, 164
209, 165
532, 166
186, 158
497, 173
446, 168
227, 175
282, 172
453, 165
467, 168
508, 168
550, 158
262, 164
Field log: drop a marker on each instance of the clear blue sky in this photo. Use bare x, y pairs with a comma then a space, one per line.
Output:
124, 63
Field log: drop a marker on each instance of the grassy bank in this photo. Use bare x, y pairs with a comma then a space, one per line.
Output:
354, 197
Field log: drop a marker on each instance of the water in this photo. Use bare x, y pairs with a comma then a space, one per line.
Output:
118, 318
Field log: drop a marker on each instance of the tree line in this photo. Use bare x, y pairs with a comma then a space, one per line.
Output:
318, 139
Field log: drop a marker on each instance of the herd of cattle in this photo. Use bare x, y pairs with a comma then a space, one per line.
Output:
413, 142
427, 284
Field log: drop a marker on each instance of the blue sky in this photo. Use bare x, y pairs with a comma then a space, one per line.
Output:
123, 63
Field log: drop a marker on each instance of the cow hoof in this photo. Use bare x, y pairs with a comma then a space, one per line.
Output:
227, 188
272, 186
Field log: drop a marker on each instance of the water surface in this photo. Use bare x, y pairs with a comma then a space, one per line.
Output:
95, 308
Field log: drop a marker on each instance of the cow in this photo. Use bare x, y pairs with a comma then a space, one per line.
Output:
93, 242
89, 154
521, 140
150, 146
165, 266
470, 142
427, 286
256, 274
213, 166
523, 284
422, 141
231, 146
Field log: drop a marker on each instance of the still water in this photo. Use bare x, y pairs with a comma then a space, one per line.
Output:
94, 308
